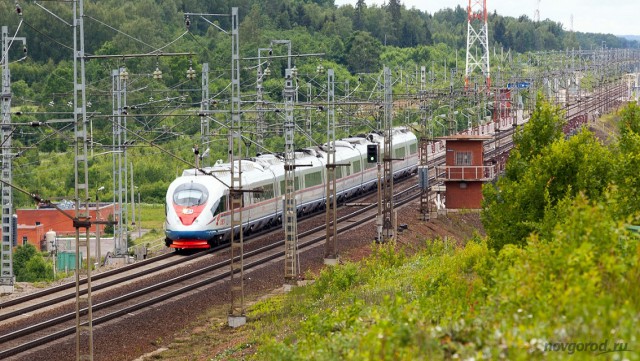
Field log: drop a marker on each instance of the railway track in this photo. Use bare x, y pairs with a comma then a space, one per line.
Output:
33, 334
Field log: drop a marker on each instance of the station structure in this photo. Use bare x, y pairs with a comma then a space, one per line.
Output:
465, 171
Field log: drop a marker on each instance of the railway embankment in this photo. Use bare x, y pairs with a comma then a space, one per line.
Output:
209, 337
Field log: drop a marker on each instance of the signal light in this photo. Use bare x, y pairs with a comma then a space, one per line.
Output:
372, 153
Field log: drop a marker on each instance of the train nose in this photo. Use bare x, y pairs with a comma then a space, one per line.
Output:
188, 215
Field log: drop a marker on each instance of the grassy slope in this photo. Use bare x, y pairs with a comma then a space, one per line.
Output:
469, 302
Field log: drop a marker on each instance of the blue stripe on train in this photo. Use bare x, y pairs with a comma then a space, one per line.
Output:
204, 235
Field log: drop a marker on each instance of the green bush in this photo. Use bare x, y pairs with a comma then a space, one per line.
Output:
30, 266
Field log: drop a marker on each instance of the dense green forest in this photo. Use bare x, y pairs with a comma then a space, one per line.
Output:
355, 41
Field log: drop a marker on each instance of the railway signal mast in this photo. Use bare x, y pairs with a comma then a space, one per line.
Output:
477, 41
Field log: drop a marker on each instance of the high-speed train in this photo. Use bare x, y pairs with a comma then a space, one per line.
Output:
197, 208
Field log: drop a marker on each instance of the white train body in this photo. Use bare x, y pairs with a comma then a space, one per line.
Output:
197, 208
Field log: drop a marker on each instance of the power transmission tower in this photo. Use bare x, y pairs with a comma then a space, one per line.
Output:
477, 41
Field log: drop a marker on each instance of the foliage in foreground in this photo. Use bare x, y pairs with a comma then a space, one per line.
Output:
469, 302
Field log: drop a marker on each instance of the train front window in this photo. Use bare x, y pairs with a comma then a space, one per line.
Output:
191, 194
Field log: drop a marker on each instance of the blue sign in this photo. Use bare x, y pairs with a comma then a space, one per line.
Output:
519, 85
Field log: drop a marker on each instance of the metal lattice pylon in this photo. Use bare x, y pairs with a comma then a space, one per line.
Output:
330, 250
387, 159
425, 137
6, 267
289, 212
119, 94
204, 110
477, 41
237, 315
84, 315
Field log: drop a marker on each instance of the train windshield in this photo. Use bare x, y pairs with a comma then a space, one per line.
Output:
191, 194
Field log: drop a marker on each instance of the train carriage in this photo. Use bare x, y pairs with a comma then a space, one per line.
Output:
197, 204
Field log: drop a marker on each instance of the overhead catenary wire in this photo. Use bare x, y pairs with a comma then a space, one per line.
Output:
119, 31
48, 37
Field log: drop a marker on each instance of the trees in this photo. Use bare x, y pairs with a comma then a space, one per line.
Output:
358, 19
627, 161
30, 266
362, 53
542, 170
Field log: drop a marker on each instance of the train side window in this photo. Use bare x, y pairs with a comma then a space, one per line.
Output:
267, 193
223, 205
312, 179
296, 185
357, 168
400, 152
338, 172
413, 148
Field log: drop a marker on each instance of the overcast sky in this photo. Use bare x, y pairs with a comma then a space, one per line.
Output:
619, 17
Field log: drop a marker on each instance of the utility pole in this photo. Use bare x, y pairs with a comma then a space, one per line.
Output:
98, 246
119, 80
309, 120
7, 279
423, 169
261, 127
451, 118
388, 223
237, 313
291, 271
133, 199
204, 108
330, 249
82, 218
477, 41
